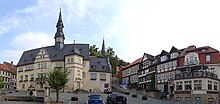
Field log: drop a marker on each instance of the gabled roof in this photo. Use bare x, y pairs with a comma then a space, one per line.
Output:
28, 57
173, 49
5, 68
147, 56
99, 65
11, 66
192, 48
163, 53
133, 63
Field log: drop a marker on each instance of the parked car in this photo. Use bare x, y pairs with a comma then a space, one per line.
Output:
116, 99
95, 99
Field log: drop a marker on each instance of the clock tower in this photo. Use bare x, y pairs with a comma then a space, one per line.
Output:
59, 36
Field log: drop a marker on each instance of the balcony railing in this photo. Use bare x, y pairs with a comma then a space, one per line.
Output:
191, 62
200, 74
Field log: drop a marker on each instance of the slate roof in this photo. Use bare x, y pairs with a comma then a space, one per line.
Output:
173, 49
163, 53
28, 57
151, 57
5, 68
99, 65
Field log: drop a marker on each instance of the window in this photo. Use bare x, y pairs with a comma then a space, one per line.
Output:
44, 75
173, 55
93, 66
32, 77
103, 77
26, 77
21, 77
208, 58
38, 66
78, 72
68, 60
179, 86
163, 58
209, 85
71, 60
215, 85
23, 86
39, 75
79, 60
92, 76
197, 84
178, 99
174, 63
188, 85
45, 65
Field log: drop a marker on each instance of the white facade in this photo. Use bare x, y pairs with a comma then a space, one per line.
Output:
6, 77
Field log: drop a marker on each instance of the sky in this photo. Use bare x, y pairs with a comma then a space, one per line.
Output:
130, 27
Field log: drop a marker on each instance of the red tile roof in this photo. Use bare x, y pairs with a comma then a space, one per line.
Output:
193, 48
5, 68
133, 63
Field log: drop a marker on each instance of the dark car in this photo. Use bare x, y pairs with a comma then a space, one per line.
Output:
95, 99
116, 99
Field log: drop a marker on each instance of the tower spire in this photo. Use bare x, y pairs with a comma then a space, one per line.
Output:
59, 36
103, 47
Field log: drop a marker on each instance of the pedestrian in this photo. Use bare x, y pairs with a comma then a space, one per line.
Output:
31, 93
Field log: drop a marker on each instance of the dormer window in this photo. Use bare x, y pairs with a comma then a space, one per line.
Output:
173, 55
93, 66
207, 57
203, 50
163, 58
104, 67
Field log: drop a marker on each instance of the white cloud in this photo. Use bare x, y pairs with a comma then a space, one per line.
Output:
31, 40
10, 55
153, 26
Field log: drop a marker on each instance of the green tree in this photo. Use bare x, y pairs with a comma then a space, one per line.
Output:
93, 50
110, 53
57, 79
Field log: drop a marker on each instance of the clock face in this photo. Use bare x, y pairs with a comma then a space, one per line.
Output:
59, 39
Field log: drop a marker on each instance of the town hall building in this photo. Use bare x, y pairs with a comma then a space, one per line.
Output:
86, 72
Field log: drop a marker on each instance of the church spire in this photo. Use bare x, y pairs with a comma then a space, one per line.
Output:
103, 47
59, 36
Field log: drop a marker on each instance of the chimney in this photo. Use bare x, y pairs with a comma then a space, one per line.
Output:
11, 64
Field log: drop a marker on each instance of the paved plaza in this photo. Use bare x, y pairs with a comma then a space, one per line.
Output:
65, 98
